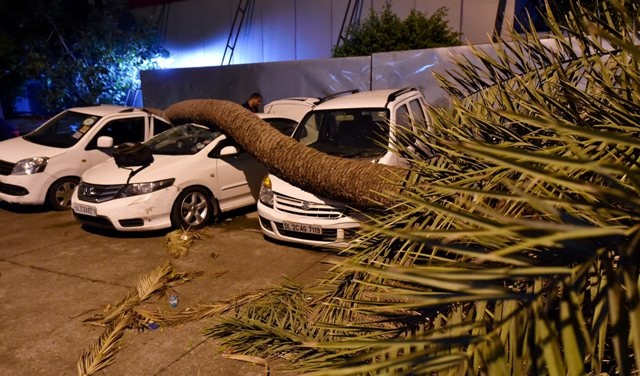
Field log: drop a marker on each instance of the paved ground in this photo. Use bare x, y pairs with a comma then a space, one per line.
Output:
54, 274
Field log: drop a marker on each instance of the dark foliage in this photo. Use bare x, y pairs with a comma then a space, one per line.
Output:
385, 31
75, 52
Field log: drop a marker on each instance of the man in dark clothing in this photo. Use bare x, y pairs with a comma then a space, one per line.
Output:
253, 103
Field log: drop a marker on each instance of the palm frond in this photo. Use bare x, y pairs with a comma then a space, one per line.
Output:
179, 241
511, 247
101, 354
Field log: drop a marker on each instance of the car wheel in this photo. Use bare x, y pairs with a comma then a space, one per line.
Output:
60, 192
193, 209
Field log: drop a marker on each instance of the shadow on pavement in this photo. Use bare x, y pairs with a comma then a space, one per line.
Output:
16, 208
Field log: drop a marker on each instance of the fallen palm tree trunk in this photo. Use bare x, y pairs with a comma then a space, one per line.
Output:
358, 183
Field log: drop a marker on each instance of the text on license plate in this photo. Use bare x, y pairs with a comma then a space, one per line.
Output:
301, 227
85, 209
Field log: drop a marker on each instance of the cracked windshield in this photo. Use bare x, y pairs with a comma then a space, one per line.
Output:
185, 139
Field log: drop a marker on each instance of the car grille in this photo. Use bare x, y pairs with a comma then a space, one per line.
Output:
296, 206
98, 193
13, 190
6, 167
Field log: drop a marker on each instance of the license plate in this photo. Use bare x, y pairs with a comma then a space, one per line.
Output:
85, 209
301, 227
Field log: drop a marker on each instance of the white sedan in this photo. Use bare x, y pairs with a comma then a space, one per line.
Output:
196, 173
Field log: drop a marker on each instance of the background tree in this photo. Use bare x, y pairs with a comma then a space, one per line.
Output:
76, 52
384, 31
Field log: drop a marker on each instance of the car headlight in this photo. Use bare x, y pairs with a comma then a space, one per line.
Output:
266, 193
30, 166
135, 189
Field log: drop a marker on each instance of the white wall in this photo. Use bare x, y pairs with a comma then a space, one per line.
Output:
280, 30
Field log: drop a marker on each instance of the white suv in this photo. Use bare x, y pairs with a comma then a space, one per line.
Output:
361, 125
45, 165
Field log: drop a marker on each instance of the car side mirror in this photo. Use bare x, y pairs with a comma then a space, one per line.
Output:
228, 150
105, 142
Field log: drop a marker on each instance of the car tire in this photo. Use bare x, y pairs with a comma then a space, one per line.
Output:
193, 209
60, 192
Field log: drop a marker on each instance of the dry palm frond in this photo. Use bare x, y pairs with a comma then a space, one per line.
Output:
250, 359
111, 313
202, 311
274, 325
101, 354
127, 314
142, 318
154, 281
150, 285
179, 241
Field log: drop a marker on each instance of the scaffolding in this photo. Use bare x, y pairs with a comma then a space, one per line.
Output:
352, 14
236, 26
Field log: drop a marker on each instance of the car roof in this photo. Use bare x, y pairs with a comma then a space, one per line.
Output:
292, 108
365, 99
104, 109
274, 115
300, 101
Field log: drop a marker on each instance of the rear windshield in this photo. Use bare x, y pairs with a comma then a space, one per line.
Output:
64, 130
346, 133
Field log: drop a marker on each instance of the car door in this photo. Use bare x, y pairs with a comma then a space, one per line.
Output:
239, 177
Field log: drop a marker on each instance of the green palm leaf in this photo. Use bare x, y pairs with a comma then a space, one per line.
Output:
512, 246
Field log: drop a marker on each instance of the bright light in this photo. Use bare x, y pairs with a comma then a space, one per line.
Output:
163, 62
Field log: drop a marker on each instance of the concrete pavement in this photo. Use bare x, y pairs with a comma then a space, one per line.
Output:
54, 274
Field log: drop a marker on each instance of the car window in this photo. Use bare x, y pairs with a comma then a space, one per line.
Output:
64, 130
417, 112
121, 130
403, 119
160, 126
418, 116
285, 126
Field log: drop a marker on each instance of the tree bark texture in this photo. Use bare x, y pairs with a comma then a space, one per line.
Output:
358, 183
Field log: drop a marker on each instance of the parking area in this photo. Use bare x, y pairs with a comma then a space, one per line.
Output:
55, 273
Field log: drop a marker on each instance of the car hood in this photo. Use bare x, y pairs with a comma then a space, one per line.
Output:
108, 173
16, 149
282, 187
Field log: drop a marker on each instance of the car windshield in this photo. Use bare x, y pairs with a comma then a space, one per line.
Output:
344, 133
64, 130
186, 139
284, 125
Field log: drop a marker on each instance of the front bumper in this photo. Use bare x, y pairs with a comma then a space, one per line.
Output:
25, 189
151, 211
335, 232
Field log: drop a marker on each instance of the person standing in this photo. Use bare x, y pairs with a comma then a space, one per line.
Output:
253, 103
